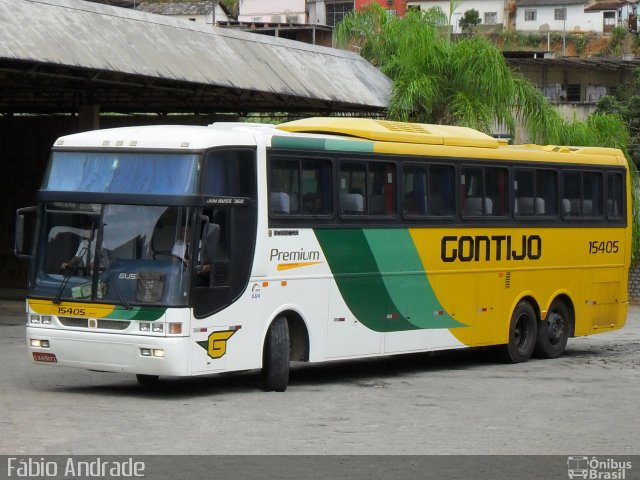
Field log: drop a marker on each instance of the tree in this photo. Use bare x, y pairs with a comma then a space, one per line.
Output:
439, 80
469, 20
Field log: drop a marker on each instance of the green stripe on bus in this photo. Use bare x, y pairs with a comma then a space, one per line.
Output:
405, 279
137, 313
322, 144
364, 266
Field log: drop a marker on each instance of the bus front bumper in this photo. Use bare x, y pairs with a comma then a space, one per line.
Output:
109, 352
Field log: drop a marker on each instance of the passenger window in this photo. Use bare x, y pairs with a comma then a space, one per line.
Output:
300, 186
582, 195
535, 192
484, 191
367, 188
615, 195
428, 190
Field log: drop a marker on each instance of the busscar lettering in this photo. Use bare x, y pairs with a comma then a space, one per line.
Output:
293, 255
483, 248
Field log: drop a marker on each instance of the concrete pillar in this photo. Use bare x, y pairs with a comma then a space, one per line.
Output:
88, 117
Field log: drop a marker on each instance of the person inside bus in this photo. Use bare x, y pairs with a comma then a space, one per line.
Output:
182, 250
84, 254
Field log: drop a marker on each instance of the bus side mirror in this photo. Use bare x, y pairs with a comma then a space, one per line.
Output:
18, 248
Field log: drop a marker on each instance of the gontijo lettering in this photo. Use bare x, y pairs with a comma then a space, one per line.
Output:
484, 248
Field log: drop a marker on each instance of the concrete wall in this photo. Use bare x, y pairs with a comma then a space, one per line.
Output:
634, 283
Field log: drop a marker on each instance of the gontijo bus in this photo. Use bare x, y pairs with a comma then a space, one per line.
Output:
175, 250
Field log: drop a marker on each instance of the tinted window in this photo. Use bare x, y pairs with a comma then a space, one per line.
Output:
535, 192
428, 190
367, 188
484, 191
300, 186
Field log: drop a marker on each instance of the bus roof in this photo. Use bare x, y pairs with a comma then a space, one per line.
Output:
175, 137
413, 138
387, 131
336, 133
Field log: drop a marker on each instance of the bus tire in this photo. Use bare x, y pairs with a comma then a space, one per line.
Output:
553, 333
147, 379
522, 334
275, 357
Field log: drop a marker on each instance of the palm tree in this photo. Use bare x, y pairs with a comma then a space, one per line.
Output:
439, 80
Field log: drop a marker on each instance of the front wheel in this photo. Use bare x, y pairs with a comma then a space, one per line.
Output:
522, 334
275, 358
553, 333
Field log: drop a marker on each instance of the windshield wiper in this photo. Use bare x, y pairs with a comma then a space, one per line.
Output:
68, 271
105, 261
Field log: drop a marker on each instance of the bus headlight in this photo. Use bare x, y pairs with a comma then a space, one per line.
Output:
37, 343
175, 328
46, 319
34, 318
145, 327
157, 327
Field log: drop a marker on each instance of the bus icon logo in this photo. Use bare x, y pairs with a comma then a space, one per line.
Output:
578, 467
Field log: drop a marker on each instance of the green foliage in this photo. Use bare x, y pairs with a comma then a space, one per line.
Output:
469, 20
508, 38
232, 7
580, 42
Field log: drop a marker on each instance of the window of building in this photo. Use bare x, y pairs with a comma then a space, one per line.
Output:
530, 15
336, 12
490, 18
560, 14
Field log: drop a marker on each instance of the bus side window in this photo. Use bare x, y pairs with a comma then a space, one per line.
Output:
582, 194
300, 186
535, 192
615, 196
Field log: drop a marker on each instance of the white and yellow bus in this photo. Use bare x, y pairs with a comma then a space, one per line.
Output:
177, 251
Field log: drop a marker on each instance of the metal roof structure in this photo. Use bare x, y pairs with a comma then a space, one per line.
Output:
592, 63
56, 55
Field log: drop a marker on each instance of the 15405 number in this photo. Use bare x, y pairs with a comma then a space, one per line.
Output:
71, 311
610, 246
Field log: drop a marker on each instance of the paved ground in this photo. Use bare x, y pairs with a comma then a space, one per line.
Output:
585, 402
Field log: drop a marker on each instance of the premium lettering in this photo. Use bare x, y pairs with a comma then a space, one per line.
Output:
483, 248
293, 256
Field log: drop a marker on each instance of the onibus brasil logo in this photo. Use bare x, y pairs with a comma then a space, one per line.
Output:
595, 468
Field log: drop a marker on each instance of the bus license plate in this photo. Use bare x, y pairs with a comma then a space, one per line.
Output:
45, 357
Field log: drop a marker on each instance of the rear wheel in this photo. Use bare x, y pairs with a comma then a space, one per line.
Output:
275, 358
553, 333
522, 334
147, 379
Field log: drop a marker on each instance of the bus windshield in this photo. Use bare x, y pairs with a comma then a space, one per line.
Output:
125, 254
123, 172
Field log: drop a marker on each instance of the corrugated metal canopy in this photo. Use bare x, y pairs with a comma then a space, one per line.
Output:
58, 54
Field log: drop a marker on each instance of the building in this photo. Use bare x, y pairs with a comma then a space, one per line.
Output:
198, 11
578, 16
